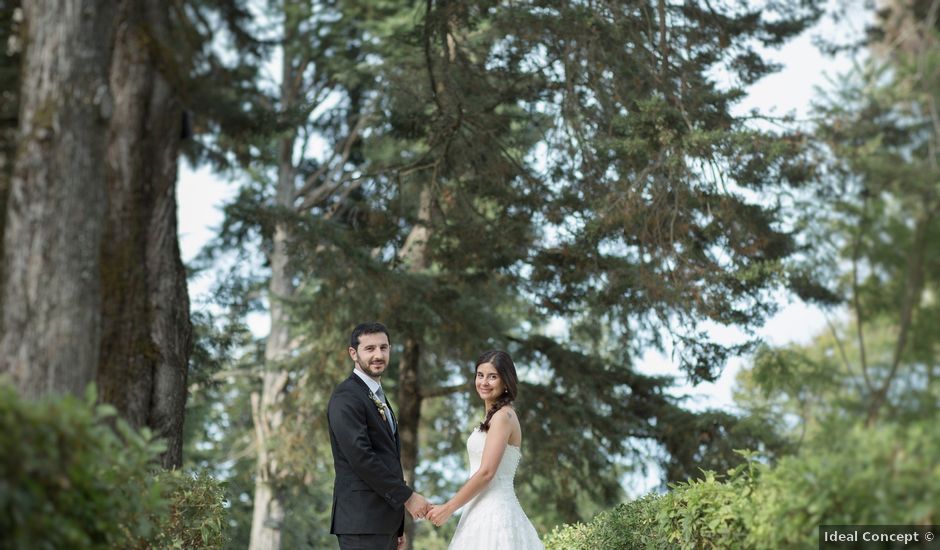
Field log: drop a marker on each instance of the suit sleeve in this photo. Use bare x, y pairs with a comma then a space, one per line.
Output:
348, 423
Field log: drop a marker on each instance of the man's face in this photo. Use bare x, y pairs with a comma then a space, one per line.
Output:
371, 357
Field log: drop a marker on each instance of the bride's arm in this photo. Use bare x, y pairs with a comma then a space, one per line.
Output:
496, 440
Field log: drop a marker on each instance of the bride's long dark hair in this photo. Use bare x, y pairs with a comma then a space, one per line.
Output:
506, 370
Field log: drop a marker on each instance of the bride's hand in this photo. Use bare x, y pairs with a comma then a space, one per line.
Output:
438, 515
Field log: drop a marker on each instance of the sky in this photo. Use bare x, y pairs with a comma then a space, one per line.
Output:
201, 195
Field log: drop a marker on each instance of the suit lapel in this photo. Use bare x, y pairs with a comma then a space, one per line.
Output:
395, 419
375, 410
395, 434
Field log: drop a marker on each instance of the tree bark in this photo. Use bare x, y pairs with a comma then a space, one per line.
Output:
51, 281
9, 104
147, 334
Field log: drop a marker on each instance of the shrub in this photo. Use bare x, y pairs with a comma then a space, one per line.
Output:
888, 475
72, 475
707, 513
196, 512
629, 525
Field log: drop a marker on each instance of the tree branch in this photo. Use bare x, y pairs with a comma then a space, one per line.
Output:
442, 391
312, 193
856, 301
840, 345
912, 291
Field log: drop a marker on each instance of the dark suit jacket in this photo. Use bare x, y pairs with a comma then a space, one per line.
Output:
369, 493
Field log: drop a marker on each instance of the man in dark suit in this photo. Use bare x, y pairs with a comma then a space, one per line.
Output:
369, 495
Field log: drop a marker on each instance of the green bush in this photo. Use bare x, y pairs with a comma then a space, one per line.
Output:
887, 475
74, 476
629, 525
706, 513
196, 514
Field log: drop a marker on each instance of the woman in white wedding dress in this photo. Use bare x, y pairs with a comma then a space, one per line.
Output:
492, 518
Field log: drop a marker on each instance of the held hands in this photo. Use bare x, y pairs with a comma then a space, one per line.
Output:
438, 515
417, 506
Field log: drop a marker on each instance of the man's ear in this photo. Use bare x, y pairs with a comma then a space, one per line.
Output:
352, 353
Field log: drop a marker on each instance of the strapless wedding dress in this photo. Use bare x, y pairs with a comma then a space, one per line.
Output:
494, 520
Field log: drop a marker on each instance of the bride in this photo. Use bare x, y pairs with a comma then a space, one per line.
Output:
492, 518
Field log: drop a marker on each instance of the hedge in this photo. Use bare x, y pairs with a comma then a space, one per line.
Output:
885, 475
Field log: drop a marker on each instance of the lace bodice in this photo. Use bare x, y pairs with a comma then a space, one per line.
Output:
506, 471
493, 519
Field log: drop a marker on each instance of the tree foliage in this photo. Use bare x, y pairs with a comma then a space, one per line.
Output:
872, 219
519, 164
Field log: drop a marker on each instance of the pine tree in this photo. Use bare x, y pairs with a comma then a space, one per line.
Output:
288, 183
878, 132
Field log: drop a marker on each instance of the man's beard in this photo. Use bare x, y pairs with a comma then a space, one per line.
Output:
368, 369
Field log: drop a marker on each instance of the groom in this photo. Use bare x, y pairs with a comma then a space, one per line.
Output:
369, 494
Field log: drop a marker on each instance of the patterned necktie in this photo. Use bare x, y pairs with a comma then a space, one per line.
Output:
391, 421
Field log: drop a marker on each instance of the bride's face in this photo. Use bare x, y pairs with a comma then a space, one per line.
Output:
488, 383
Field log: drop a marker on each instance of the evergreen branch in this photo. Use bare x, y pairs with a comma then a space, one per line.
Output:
912, 292
225, 374
312, 193
856, 301
663, 37
442, 391
427, 54
842, 353
353, 185
415, 167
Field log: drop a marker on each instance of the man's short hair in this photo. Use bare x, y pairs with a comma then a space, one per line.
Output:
372, 327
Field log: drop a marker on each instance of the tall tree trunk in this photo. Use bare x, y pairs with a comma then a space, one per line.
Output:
146, 331
170, 326
9, 104
57, 203
267, 414
7, 141
414, 253
409, 418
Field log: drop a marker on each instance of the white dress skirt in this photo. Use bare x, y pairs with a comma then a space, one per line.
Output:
494, 520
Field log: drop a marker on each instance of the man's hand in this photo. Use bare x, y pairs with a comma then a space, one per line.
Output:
402, 541
417, 505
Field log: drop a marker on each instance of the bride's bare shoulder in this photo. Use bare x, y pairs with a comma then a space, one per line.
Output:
512, 420
508, 413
